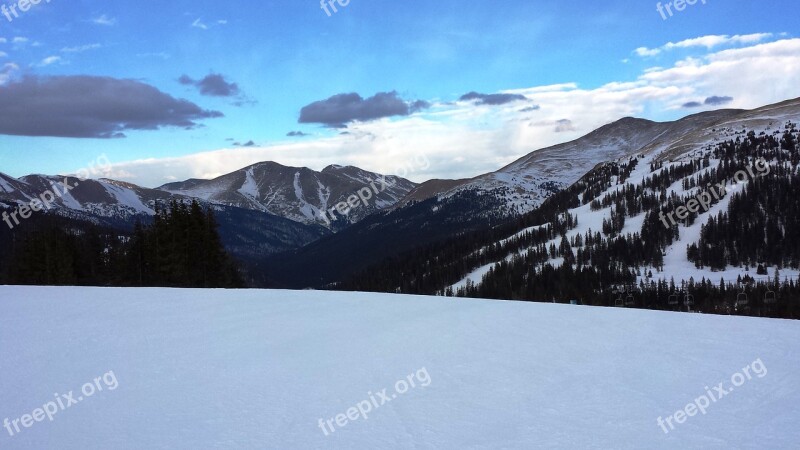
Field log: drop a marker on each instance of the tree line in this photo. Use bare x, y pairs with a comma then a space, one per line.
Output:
181, 247
538, 261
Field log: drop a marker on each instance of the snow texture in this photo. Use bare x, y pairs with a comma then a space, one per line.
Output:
258, 369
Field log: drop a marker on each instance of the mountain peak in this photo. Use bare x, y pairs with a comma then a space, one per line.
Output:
297, 193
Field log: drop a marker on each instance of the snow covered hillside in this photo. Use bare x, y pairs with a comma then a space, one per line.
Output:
299, 194
259, 369
527, 182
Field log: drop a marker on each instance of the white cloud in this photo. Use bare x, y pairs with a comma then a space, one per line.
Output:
199, 24
105, 20
50, 60
160, 55
644, 51
80, 48
462, 140
709, 42
20, 40
6, 71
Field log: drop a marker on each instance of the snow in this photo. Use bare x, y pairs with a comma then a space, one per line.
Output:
308, 210
67, 200
474, 277
250, 186
258, 369
128, 197
5, 186
676, 265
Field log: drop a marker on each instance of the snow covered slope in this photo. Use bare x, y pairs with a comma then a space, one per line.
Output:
259, 369
691, 138
527, 182
246, 233
105, 198
299, 194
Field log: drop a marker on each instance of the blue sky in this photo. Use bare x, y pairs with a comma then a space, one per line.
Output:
576, 63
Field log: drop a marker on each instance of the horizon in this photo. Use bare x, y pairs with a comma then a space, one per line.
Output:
88, 172
183, 94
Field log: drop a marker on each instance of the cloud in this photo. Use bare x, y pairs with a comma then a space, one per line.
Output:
91, 107
712, 41
105, 21
297, 134
3, 40
49, 60
20, 40
708, 42
462, 141
710, 101
564, 125
160, 55
341, 109
644, 51
199, 24
716, 101
213, 85
753, 76
246, 144
6, 70
530, 108
3, 54
492, 99
80, 48
419, 105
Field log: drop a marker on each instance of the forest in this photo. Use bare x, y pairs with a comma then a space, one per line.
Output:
539, 261
180, 248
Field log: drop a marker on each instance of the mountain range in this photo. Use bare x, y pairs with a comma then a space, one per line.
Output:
289, 226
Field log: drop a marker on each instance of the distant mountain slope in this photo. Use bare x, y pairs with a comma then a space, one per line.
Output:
605, 232
439, 210
381, 235
299, 194
527, 182
246, 233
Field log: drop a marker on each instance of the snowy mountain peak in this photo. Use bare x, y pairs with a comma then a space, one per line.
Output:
299, 194
525, 183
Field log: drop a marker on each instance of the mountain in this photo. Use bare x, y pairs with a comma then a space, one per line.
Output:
111, 200
613, 236
246, 233
446, 235
525, 183
440, 211
299, 194
383, 235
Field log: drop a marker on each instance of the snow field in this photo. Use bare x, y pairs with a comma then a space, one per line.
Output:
258, 369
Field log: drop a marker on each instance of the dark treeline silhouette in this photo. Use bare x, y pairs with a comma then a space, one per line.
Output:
180, 248
760, 228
